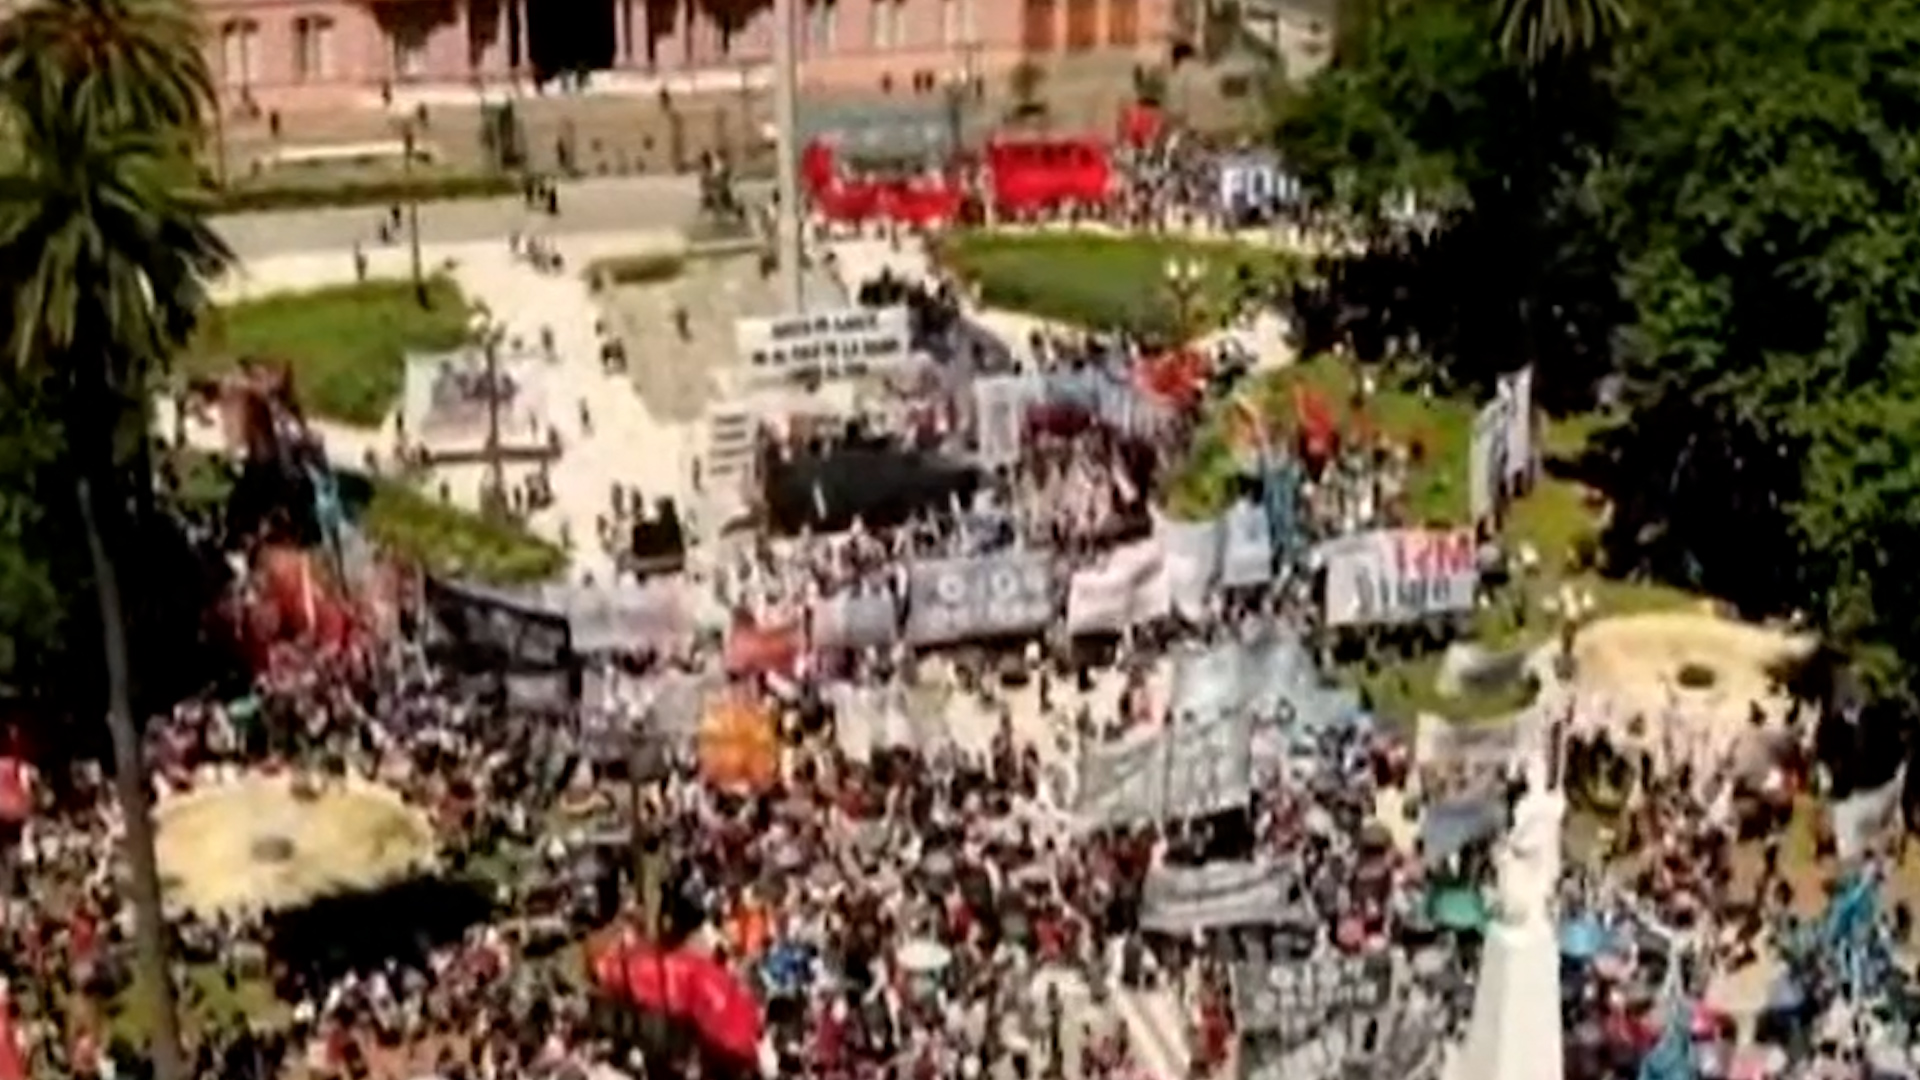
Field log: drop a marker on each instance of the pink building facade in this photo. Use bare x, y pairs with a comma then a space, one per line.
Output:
295, 54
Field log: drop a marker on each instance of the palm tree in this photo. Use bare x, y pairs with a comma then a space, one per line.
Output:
1537, 31
107, 255
123, 62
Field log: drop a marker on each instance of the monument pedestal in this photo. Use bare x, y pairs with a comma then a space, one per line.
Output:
1514, 1033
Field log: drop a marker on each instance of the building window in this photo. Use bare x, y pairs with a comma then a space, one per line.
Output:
312, 48
239, 51
889, 24
821, 28
409, 52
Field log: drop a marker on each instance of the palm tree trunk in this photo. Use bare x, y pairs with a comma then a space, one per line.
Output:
130, 783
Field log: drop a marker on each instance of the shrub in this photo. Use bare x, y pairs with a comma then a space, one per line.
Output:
249, 198
449, 540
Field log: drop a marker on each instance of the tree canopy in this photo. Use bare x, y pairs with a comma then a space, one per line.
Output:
1706, 209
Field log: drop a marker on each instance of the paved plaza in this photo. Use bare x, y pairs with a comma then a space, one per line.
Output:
587, 207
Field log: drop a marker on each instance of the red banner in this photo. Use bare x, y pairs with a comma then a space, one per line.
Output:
1142, 124
1037, 175
921, 201
1178, 377
762, 650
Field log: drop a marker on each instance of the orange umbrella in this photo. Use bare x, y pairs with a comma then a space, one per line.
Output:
749, 929
738, 747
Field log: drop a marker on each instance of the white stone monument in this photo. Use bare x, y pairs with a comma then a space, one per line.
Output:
1514, 1033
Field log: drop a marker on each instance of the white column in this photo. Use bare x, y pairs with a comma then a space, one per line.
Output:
622, 33
522, 47
463, 29
1514, 1032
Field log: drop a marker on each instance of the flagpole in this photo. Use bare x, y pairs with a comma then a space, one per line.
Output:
786, 107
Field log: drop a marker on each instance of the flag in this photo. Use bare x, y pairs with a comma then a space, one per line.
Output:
1246, 430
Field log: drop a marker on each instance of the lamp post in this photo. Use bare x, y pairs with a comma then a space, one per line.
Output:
407, 146
786, 121
493, 497
646, 764
1183, 283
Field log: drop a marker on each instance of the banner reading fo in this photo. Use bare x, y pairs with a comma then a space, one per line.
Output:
951, 600
1399, 575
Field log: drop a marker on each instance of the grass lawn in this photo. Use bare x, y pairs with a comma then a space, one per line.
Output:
347, 343
450, 540
1558, 519
1107, 282
417, 526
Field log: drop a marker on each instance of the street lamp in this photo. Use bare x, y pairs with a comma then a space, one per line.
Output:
646, 765
1183, 282
407, 147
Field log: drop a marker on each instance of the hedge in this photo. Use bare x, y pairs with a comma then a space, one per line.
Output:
347, 344
253, 199
1103, 282
450, 540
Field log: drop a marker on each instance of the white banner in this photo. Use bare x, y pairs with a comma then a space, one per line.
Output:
1181, 899
1399, 575
831, 344
628, 618
1520, 448
1861, 817
1193, 551
999, 595
1180, 772
1000, 417
1246, 550
1487, 455
1128, 588
445, 403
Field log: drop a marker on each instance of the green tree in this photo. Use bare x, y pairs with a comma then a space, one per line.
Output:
110, 65
1764, 196
107, 256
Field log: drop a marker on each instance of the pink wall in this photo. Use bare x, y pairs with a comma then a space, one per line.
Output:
470, 42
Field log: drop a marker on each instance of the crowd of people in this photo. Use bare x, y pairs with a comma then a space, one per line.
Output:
915, 899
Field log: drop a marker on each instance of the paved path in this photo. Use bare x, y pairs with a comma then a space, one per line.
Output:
623, 444
596, 206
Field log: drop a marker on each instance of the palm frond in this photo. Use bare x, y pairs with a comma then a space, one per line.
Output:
109, 63
1536, 31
